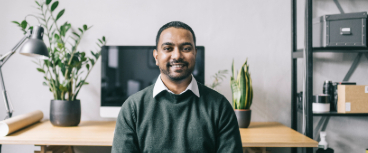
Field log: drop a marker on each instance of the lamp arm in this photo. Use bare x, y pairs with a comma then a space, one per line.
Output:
8, 106
3, 59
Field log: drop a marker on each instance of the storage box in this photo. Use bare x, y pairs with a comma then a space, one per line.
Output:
338, 30
352, 99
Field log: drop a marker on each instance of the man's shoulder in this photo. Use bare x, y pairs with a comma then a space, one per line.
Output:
142, 94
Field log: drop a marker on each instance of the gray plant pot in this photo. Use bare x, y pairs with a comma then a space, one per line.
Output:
65, 113
243, 116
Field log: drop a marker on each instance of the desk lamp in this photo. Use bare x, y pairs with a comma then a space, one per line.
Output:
34, 47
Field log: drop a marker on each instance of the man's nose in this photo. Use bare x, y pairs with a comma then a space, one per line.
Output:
176, 54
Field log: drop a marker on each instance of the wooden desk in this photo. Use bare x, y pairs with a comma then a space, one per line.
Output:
100, 133
273, 134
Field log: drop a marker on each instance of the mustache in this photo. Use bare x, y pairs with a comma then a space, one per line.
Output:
180, 61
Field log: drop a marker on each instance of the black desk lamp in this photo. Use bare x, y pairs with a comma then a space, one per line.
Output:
34, 47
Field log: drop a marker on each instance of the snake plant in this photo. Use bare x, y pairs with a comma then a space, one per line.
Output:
241, 87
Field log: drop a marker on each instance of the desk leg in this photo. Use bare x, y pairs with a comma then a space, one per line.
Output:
263, 150
70, 149
43, 149
254, 150
56, 149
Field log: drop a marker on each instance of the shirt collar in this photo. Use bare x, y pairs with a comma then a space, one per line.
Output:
160, 86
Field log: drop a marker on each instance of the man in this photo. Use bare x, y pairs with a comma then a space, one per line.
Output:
176, 114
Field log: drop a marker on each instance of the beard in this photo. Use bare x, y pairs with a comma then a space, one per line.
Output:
177, 75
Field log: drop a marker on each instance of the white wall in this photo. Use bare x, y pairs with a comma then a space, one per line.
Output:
255, 29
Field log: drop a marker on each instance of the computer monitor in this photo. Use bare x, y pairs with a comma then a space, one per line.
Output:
126, 70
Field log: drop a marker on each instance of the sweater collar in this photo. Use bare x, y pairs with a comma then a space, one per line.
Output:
160, 86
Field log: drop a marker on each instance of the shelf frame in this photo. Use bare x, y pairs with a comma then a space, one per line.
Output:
294, 110
341, 114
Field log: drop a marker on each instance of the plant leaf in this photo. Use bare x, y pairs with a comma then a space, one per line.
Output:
76, 34
56, 36
44, 83
62, 68
23, 24
50, 27
48, 19
48, 2
103, 38
54, 6
80, 30
93, 53
40, 70
47, 62
60, 14
97, 55
100, 41
67, 26
92, 61
63, 88
62, 30
35, 62
87, 66
85, 27
16, 22
60, 45
37, 3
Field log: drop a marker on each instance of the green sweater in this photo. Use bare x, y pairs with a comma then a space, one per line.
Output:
177, 123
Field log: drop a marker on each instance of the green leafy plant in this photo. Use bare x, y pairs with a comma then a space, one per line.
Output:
241, 87
218, 78
63, 69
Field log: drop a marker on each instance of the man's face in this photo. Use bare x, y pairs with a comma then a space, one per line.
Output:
175, 54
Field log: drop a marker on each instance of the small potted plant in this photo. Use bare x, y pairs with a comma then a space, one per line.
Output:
242, 94
218, 78
64, 68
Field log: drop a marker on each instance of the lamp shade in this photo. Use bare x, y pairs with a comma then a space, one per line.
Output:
35, 46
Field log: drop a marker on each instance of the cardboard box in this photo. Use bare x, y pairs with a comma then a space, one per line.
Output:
352, 99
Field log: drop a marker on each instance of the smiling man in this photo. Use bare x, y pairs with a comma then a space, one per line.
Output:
176, 114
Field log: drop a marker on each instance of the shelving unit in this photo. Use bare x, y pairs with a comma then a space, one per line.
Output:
339, 114
309, 50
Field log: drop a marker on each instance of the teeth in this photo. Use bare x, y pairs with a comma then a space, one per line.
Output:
178, 66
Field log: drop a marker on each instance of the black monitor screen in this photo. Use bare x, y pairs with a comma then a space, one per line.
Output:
127, 69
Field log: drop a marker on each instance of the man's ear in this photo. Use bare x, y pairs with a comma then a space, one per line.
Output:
155, 56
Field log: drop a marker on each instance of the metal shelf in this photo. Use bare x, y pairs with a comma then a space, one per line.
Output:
341, 49
308, 66
299, 53
340, 114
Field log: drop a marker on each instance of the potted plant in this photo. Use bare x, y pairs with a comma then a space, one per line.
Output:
218, 78
242, 94
64, 68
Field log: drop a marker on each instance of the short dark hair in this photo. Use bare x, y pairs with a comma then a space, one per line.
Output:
175, 24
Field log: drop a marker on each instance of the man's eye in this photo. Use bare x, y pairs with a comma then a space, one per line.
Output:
166, 48
187, 48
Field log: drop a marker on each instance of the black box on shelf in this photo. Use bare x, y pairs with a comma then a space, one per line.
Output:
340, 30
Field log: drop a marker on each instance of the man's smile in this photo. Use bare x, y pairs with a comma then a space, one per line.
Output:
177, 67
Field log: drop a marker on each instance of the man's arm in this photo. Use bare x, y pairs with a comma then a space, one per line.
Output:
125, 136
228, 135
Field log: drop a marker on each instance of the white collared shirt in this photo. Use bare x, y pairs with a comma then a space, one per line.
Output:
160, 86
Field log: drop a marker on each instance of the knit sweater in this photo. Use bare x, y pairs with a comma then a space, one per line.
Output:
170, 123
